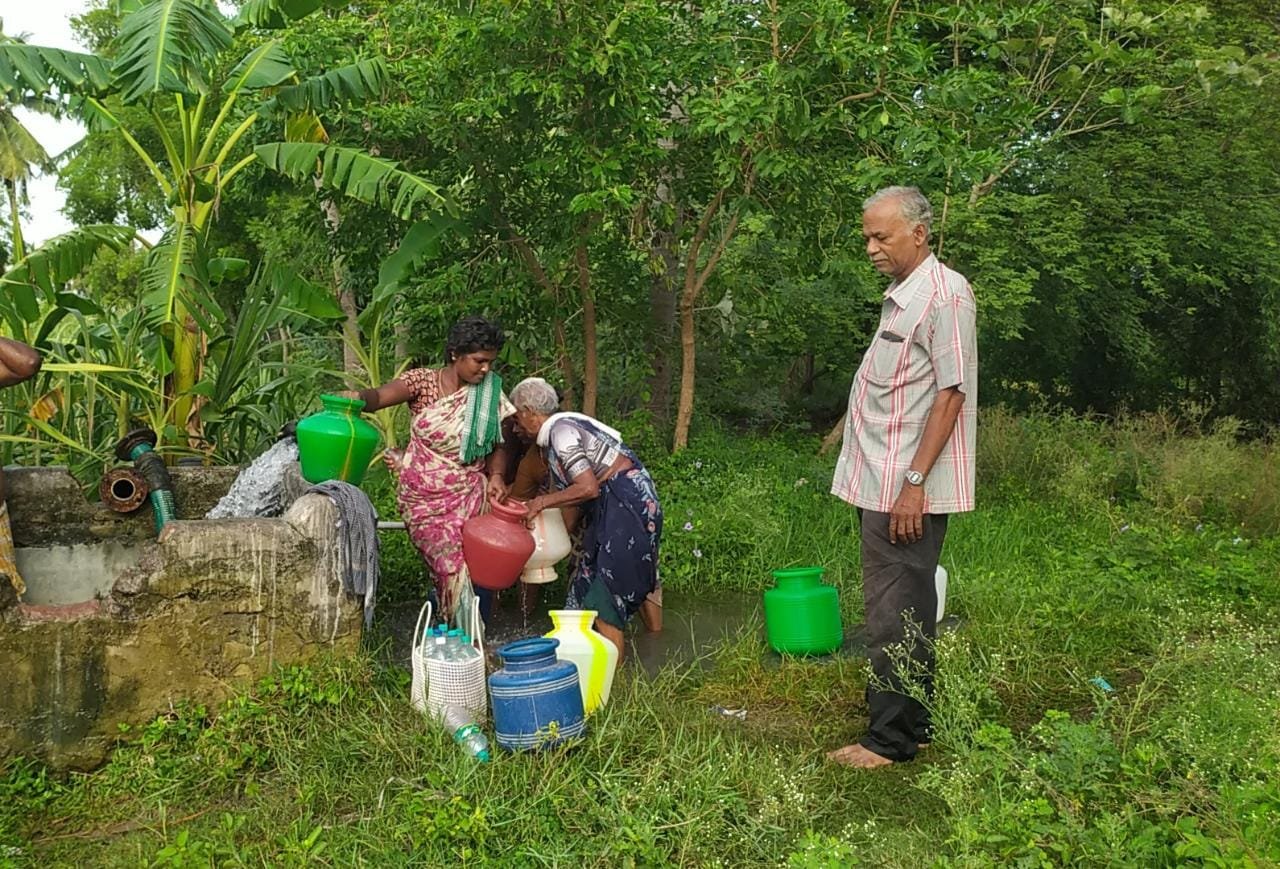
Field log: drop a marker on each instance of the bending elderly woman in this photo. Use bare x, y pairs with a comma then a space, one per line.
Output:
455, 456
591, 466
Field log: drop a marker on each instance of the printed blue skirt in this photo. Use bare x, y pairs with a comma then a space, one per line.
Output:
619, 563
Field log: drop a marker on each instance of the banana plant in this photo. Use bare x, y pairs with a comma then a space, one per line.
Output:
166, 59
20, 153
98, 380
33, 295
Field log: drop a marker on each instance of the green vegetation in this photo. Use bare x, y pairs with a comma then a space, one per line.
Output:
1080, 564
661, 203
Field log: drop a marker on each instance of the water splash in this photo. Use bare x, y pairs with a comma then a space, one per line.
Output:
259, 489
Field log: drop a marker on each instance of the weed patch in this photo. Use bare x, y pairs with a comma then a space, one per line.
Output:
1109, 697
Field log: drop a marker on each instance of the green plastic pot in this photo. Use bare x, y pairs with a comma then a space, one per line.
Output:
336, 444
801, 614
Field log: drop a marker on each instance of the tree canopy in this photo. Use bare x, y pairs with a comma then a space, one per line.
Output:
662, 202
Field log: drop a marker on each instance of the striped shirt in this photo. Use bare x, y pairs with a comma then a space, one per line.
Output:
926, 342
577, 448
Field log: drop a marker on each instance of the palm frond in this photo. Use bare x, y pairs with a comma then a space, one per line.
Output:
20, 152
62, 258
238, 355
165, 47
175, 274
302, 298
265, 66
91, 113
359, 81
356, 174
37, 70
420, 245
274, 14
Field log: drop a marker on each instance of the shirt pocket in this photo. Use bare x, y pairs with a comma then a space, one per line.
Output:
885, 357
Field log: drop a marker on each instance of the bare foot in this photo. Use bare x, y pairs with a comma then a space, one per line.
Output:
858, 757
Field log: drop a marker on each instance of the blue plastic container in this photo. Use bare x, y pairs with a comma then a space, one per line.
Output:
536, 699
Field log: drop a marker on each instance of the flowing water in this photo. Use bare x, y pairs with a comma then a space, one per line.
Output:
259, 489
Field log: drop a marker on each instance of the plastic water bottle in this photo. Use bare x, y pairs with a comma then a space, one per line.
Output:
437, 648
450, 652
466, 732
466, 651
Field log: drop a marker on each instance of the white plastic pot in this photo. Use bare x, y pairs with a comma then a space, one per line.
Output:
551, 543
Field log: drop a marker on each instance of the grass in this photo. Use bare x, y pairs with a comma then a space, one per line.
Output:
1105, 576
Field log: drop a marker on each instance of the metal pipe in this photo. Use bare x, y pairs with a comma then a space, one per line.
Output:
138, 446
123, 489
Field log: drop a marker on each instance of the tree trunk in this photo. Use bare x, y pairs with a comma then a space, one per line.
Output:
351, 316
350, 321
342, 290
540, 277
186, 373
662, 300
565, 363
401, 330
187, 357
688, 362
590, 375
664, 257
695, 279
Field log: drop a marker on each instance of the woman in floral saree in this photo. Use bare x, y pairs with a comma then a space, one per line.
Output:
455, 458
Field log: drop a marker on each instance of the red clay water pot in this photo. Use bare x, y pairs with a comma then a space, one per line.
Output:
496, 545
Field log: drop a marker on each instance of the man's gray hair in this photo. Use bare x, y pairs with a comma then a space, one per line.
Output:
914, 205
535, 394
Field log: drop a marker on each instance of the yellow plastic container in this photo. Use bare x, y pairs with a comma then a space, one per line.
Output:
596, 657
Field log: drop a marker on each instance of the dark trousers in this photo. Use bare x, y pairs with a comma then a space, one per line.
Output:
901, 600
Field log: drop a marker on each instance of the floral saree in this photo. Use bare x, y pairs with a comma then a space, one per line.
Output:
437, 491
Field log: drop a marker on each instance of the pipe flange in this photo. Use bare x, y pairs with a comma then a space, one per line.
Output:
131, 441
123, 489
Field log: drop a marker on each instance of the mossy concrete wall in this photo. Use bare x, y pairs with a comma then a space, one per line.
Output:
210, 605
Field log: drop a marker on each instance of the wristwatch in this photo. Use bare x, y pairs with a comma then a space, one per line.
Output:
915, 478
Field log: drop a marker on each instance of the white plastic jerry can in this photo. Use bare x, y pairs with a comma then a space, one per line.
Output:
596, 657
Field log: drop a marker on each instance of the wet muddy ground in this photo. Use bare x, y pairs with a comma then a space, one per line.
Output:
693, 625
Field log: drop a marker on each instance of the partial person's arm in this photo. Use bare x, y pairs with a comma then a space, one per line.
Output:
907, 519
530, 476
18, 362
495, 465
585, 487
953, 350
568, 446
380, 397
376, 398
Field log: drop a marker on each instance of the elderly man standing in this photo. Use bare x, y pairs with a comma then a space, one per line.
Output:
907, 463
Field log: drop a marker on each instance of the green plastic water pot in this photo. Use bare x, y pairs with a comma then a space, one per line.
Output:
336, 444
801, 614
